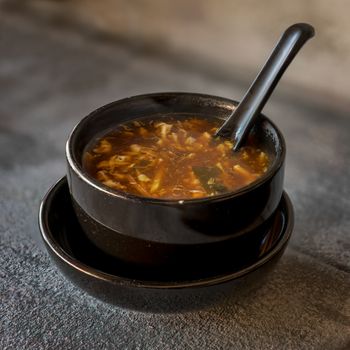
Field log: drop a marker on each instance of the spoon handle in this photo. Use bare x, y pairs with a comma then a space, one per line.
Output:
238, 125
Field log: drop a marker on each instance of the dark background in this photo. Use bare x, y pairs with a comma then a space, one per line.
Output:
61, 59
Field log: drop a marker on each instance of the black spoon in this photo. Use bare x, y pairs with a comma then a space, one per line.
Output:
240, 122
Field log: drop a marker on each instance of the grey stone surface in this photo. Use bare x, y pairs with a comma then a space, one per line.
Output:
50, 78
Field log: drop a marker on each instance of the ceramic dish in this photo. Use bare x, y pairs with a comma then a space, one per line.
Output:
168, 234
116, 282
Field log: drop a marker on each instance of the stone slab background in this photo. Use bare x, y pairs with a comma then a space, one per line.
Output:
51, 75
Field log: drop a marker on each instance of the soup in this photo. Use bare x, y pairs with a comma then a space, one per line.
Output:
172, 158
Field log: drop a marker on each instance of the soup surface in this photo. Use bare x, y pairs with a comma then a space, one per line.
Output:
173, 158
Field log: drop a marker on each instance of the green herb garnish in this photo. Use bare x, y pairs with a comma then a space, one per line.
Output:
208, 177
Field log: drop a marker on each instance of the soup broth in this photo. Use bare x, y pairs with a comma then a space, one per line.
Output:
172, 158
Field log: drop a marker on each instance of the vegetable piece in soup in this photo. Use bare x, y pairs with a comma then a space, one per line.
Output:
172, 158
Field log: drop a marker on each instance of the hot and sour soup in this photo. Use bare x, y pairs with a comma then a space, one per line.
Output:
172, 158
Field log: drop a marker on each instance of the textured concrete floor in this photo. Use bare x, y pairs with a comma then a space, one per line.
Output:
50, 78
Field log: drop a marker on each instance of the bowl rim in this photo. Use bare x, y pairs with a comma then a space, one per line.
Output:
83, 175
60, 253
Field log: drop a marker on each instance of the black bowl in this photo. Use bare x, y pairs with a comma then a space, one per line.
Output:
161, 234
122, 284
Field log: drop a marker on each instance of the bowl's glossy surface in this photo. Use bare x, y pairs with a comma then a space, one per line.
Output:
159, 233
118, 283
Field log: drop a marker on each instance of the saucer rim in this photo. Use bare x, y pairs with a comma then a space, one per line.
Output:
59, 252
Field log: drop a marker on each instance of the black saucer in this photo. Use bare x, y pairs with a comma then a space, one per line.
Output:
112, 281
